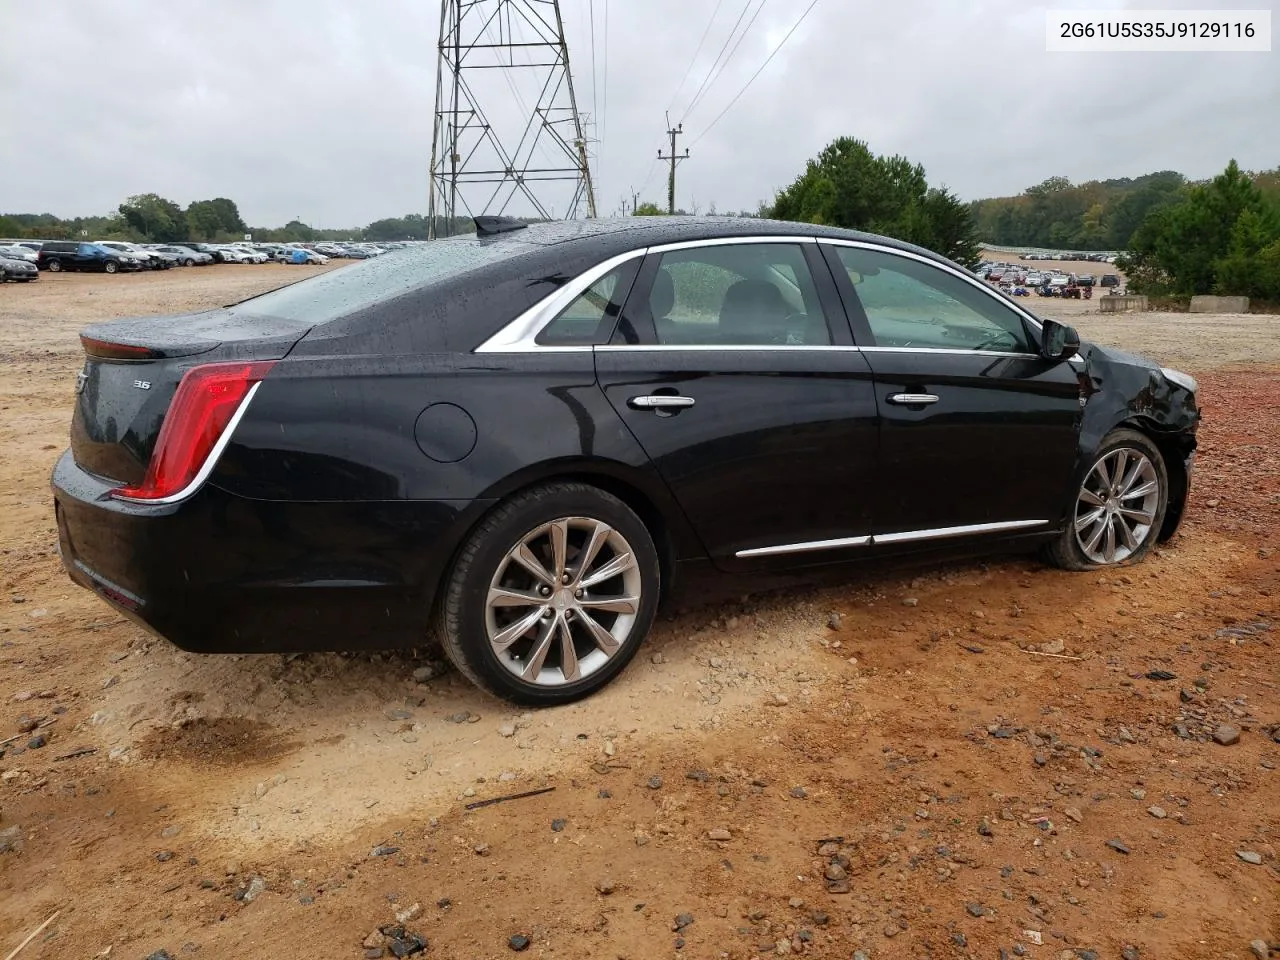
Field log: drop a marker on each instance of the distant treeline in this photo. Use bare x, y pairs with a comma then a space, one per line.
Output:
150, 218
1097, 215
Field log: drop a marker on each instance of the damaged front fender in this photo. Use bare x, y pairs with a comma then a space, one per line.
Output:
1121, 389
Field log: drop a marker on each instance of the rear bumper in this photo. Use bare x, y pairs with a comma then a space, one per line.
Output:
218, 573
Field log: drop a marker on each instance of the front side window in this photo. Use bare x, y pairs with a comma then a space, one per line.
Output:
909, 303
748, 294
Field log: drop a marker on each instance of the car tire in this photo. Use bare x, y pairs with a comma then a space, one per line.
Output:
492, 591
188, 262
55, 265
110, 267
1117, 507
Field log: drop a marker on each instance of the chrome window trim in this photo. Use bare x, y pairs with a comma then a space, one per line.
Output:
521, 334
907, 536
954, 352
946, 268
942, 533
798, 238
210, 461
726, 348
807, 546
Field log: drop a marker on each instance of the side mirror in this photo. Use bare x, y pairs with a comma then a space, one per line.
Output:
1058, 341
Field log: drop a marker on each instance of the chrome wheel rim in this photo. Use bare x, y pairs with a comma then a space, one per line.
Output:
1117, 506
563, 602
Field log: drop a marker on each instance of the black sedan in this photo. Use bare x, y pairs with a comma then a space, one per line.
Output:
20, 271
519, 439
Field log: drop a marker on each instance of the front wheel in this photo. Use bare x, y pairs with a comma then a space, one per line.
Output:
551, 595
110, 266
1118, 508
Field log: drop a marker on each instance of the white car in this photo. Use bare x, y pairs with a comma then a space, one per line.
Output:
149, 259
19, 253
234, 255
252, 256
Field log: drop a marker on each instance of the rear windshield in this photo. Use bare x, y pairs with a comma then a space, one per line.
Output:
352, 288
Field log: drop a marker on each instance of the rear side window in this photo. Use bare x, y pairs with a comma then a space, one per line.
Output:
341, 292
742, 294
590, 319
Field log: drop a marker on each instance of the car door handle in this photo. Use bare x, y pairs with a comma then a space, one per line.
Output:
660, 402
908, 399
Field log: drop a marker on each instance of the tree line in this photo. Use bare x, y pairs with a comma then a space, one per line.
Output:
1178, 237
1221, 236
151, 218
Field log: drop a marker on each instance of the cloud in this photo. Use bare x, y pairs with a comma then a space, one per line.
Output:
323, 110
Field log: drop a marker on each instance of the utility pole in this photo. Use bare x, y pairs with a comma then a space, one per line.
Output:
479, 169
675, 158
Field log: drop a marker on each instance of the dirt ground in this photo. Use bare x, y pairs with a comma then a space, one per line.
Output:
952, 762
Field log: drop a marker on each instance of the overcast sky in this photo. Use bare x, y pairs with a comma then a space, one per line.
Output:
323, 109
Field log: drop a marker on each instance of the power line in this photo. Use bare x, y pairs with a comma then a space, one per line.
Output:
712, 82
769, 58
694, 59
604, 99
714, 63
595, 77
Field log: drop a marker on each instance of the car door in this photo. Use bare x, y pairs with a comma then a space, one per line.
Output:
978, 431
734, 368
89, 256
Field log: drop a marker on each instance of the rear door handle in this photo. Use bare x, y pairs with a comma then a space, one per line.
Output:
660, 402
908, 399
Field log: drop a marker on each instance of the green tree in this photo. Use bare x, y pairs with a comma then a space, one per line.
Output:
847, 185
1212, 239
649, 210
155, 218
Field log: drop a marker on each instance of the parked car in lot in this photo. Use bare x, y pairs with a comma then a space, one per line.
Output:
520, 439
253, 255
185, 255
1109, 280
17, 269
58, 255
19, 252
229, 254
1086, 280
150, 259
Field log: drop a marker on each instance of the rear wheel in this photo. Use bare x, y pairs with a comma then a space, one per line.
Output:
55, 266
551, 595
1119, 507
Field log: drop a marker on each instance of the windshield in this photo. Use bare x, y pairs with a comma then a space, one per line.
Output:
348, 289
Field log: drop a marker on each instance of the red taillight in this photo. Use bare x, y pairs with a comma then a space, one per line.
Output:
115, 351
207, 399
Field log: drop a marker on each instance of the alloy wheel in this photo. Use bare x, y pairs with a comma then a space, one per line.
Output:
1117, 506
563, 601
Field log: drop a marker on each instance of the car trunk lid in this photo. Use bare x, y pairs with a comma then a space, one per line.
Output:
132, 371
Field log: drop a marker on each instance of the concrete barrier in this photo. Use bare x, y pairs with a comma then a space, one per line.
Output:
1122, 304
1219, 304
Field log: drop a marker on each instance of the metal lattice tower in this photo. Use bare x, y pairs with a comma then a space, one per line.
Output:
529, 155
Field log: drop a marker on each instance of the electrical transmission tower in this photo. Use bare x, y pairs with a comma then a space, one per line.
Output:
529, 160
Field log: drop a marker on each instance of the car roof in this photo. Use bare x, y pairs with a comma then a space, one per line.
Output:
629, 233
